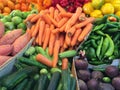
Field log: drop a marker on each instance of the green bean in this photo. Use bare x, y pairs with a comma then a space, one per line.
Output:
100, 33
117, 36
112, 30
99, 48
110, 50
93, 43
98, 27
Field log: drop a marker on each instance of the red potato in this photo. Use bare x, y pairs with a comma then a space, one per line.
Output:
9, 38
6, 49
2, 29
3, 59
20, 43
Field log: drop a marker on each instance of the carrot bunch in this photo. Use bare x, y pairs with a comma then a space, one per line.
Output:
58, 29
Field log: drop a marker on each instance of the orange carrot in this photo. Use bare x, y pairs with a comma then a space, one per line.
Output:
55, 30
62, 37
51, 10
52, 20
65, 46
82, 17
75, 37
36, 40
46, 19
56, 12
85, 32
67, 14
36, 29
60, 8
29, 17
44, 35
35, 18
63, 27
64, 63
32, 29
51, 44
85, 22
41, 30
47, 36
62, 22
42, 59
62, 49
71, 31
56, 52
67, 40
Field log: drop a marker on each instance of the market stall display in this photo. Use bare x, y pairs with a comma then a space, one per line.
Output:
59, 45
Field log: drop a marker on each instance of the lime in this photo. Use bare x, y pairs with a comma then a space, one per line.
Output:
16, 13
21, 26
9, 25
8, 18
16, 20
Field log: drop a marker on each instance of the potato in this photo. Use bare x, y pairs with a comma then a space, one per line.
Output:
3, 59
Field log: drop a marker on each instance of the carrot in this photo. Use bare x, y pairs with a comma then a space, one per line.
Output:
75, 37
85, 32
42, 59
46, 19
60, 8
63, 27
67, 40
56, 52
64, 63
56, 13
55, 30
71, 31
36, 40
35, 18
36, 28
82, 17
51, 10
62, 22
62, 37
66, 14
65, 46
32, 29
47, 36
41, 30
62, 49
44, 35
52, 20
85, 22
29, 17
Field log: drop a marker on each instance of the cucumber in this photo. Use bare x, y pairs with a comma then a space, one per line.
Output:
43, 82
40, 50
66, 79
47, 54
21, 85
30, 84
73, 83
54, 81
69, 53
60, 85
30, 51
13, 79
31, 62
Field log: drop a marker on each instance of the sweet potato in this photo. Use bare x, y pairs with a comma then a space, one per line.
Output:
6, 49
20, 43
3, 59
9, 38
2, 29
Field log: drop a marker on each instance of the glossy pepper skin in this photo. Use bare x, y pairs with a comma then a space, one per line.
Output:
96, 14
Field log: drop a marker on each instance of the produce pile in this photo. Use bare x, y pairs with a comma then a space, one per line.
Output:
65, 35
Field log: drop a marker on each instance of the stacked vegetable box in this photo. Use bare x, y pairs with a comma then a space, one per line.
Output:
60, 47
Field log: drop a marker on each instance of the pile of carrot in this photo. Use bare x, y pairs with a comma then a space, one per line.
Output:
58, 29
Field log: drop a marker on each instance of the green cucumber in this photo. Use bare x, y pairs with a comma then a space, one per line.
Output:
40, 50
43, 82
29, 85
47, 54
66, 79
60, 85
13, 79
21, 85
54, 81
69, 53
30, 51
31, 62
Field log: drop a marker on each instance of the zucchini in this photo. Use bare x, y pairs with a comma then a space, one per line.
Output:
43, 82
69, 53
21, 85
31, 62
54, 81
13, 79
73, 83
30, 84
66, 79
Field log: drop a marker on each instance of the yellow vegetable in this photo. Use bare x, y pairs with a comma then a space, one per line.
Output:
108, 1
116, 4
107, 8
96, 14
117, 13
87, 8
97, 3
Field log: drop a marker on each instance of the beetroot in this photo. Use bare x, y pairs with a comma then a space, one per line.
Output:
64, 3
